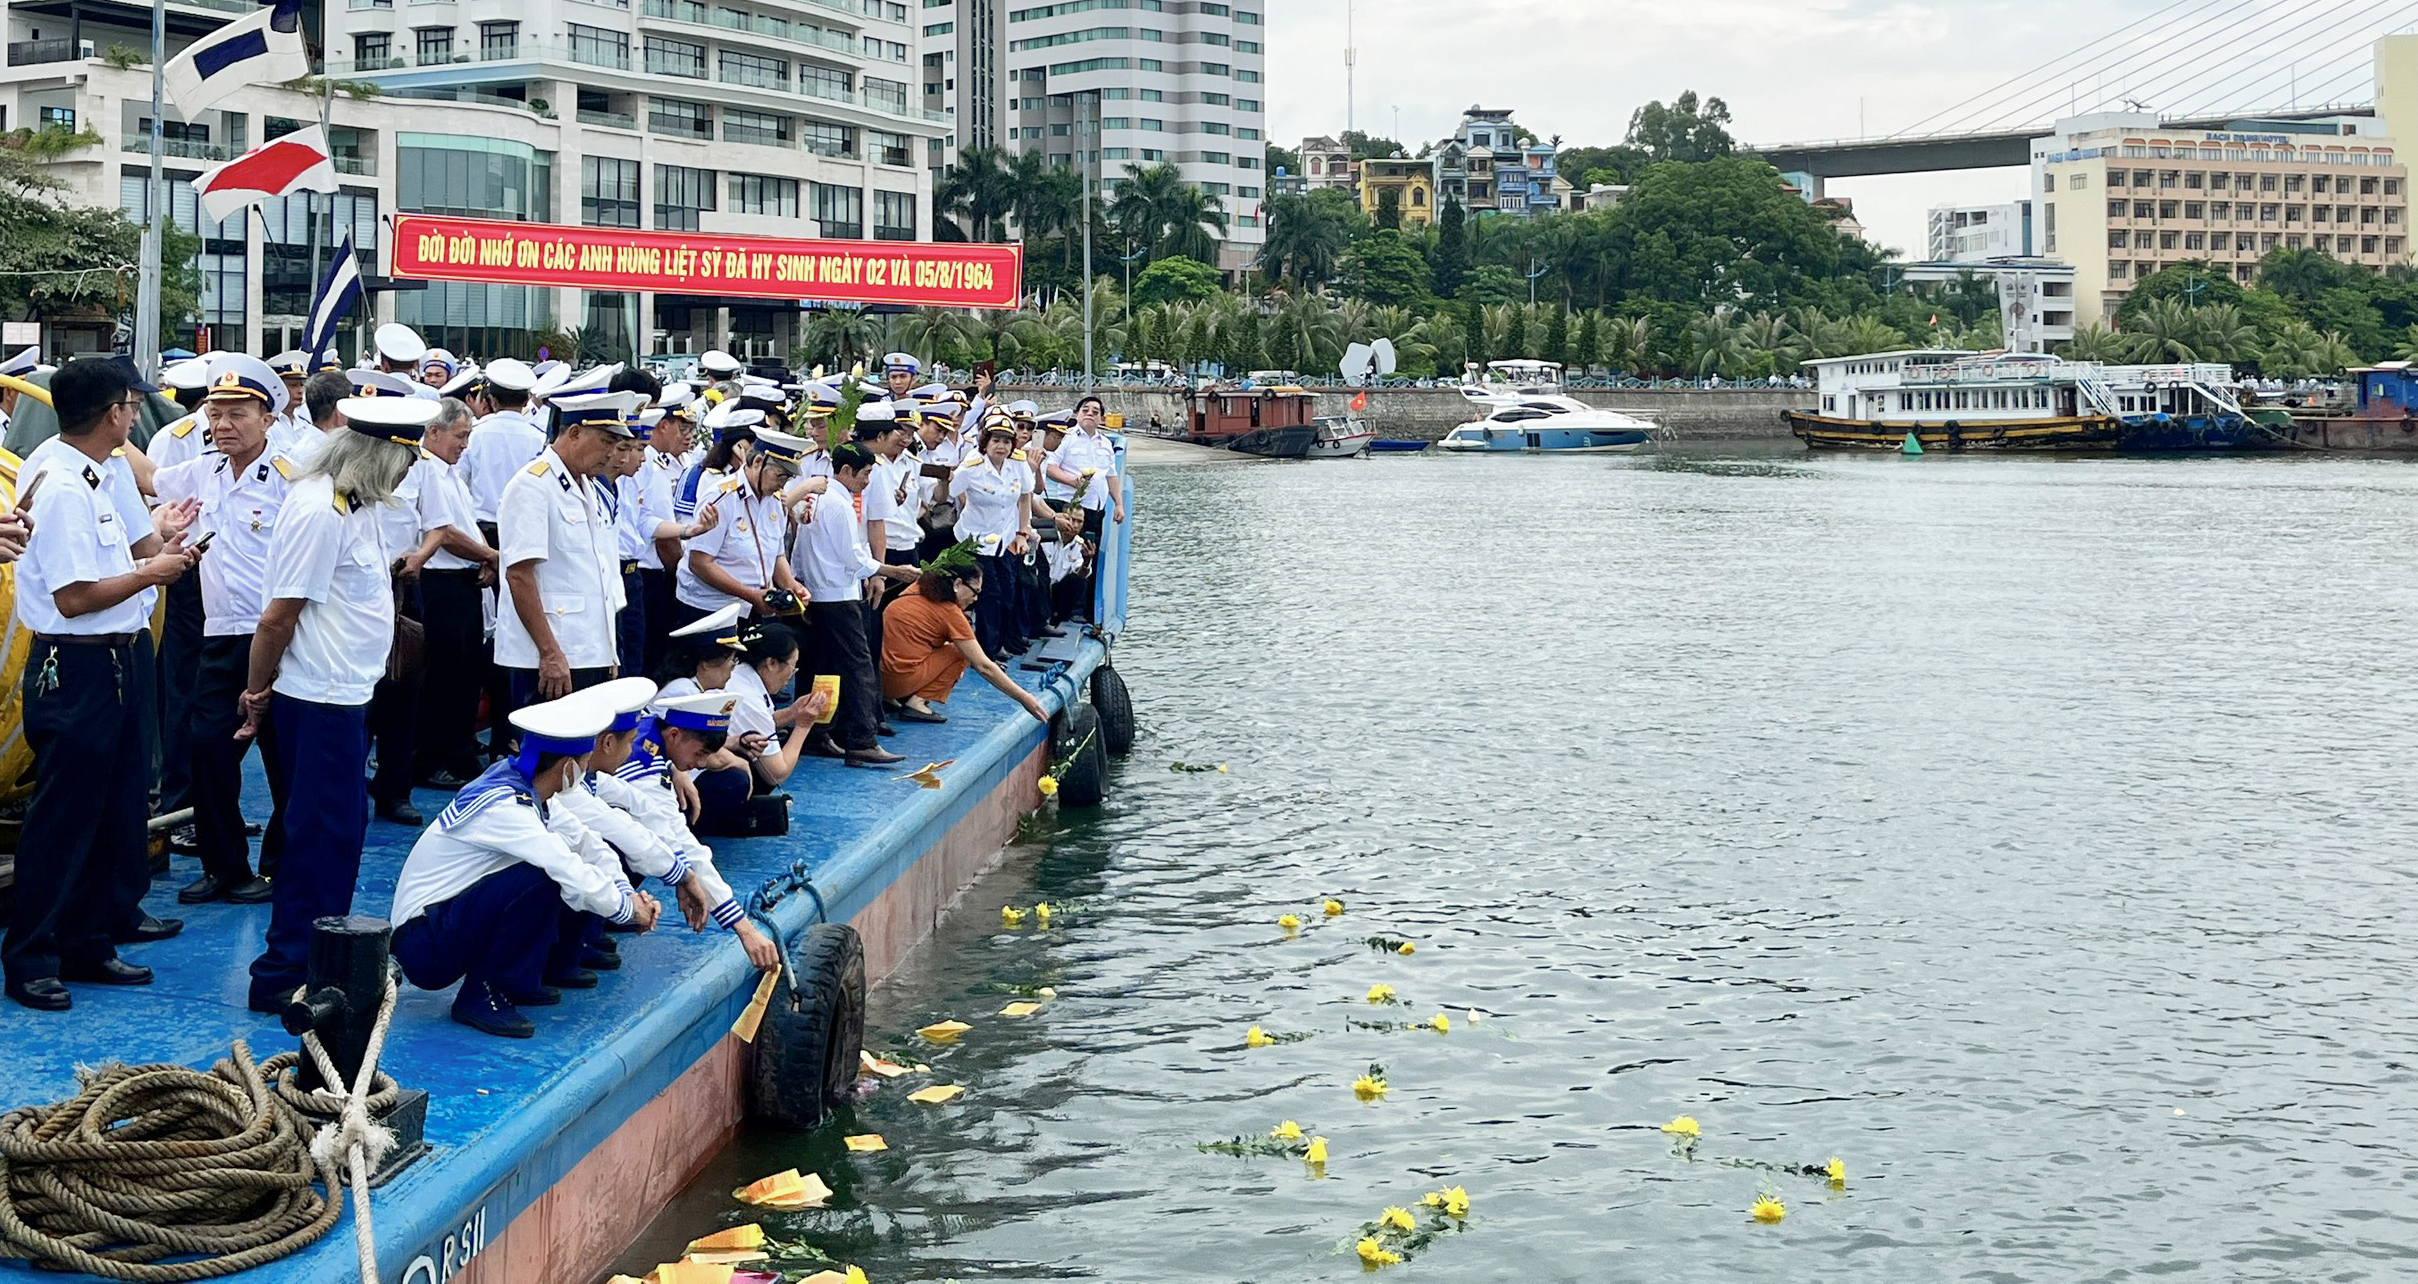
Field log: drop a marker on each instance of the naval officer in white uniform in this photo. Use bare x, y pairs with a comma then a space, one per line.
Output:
554, 629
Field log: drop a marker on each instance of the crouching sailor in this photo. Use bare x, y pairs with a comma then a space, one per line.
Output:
630, 802
481, 893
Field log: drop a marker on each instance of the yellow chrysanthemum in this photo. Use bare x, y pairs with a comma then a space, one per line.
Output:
1406, 948
1287, 1131
1456, 1202
1838, 1172
1381, 994
1334, 908
1041, 911
1398, 1218
1317, 1153
1368, 1087
1048, 785
1010, 916
1373, 1253
1256, 1038
1442, 1023
1768, 1208
1287, 922
1683, 1126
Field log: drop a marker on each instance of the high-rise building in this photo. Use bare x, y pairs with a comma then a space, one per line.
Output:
1975, 233
1164, 81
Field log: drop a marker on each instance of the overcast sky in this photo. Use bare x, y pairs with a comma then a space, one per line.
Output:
1792, 70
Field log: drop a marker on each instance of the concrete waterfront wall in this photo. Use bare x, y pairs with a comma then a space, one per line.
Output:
1425, 414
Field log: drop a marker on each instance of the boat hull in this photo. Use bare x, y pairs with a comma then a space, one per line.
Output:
1549, 441
2176, 434
2353, 433
1357, 444
1821, 432
1292, 441
1382, 447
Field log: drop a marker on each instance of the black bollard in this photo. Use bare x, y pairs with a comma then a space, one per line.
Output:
345, 987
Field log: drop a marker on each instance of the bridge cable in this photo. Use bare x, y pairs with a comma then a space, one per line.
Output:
2204, 82
2119, 62
2018, 78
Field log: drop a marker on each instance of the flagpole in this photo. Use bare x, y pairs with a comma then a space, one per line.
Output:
311, 202
147, 292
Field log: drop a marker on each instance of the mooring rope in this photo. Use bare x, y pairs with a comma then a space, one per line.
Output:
220, 1169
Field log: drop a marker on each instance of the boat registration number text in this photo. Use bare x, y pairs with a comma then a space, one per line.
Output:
446, 1258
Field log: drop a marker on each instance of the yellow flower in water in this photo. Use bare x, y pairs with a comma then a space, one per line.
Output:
1838, 1173
1334, 908
1256, 1038
856, 1276
1398, 1218
1041, 911
1373, 1253
1368, 1087
1317, 1153
1683, 1126
1406, 948
1768, 1208
1221, 769
1288, 922
1010, 916
1287, 1131
1452, 1199
1442, 1023
1048, 785
1381, 994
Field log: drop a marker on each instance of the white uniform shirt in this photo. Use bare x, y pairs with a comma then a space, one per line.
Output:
990, 501
293, 436
747, 543
499, 831
644, 791
239, 509
1093, 450
895, 498
173, 444
82, 535
501, 445
752, 714
652, 489
832, 560
444, 502
630, 528
551, 517
332, 554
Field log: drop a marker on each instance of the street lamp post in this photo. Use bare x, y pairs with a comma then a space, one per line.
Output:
1083, 154
1539, 270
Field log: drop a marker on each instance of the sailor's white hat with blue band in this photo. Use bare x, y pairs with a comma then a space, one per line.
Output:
782, 448
613, 412
399, 343
721, 627
703, 712
378, 383
902, 363
237, 376
568, 726
22, 364
395, 419
625, 699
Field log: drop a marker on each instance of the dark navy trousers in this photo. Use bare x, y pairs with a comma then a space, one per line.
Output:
497, 931
217, 792
632, 625
82, 859
324, 748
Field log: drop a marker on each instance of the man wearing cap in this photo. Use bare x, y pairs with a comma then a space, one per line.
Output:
85, 588
436, 368
938, 451
19, 366
838, 568
670, 449
554, 628
321, 647
900, 370
505, 442
240, 487
293, 368
718, 365
452, 563
399, 349
746, 554
188, 382
482, 892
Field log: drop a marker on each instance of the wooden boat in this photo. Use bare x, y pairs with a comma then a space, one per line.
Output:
1289, 441
1341, 438
1220, 416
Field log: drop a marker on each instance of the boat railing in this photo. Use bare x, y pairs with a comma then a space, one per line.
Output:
2095, 394
1998, 372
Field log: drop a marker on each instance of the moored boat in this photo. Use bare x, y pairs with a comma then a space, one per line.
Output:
1954, 400
2379, 412
1395, 446
1287, 441
1549, 424
1232, 417
1341, 438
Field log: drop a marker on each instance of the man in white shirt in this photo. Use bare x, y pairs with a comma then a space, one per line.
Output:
85, 588
670, 449
452, 564
240, 487
316, 658
554, 629
745, 556
504, 442
838, 567
1087, 461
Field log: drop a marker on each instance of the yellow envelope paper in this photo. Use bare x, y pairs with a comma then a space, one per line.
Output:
1019, 1009
753, 1017
944, 1031
829, 685
867, 1143
727, 1257
928, 775
854, 1276
749, 1236
692, 1273
786, 1190
935, 1094
872, 1064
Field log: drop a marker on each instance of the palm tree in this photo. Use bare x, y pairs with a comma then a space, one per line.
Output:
1716, 343
930, 333
1303, 335
840, 337
1440, 339
979, 193
1159, 210
2224, 335
2166, 329
2096, 342
1771, 346
1629, 344
1304, 245
1866, 332
1196, 224
2298, 351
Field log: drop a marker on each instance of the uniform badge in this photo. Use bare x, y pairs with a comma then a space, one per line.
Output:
92, 478
565, 479
283, 468
262, 474
539, 468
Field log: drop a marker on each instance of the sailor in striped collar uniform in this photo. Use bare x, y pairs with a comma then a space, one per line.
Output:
481, 894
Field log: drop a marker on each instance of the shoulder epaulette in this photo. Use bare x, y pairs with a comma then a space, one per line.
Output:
182, 429
539, 468
283, 468
119, 453
344, 505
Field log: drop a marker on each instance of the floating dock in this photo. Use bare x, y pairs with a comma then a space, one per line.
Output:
550, 1155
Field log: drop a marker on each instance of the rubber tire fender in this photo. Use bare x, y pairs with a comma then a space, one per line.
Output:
1085, 781
807, 1052
1115, 703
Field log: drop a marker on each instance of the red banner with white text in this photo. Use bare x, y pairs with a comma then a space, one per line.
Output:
919, 273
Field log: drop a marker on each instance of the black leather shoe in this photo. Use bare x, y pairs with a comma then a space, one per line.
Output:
823, 748
599, 960
42, 994
883, 728
202, 891
402, 813
251, 891
578, 978
481, 1008
544, 996
608, 945
106, 972
152, 929
874, 757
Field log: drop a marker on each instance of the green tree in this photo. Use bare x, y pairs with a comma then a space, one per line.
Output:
2098, 342
1175, 280
1683, 131
1160, 210
1448, 262
1282, 158
1515, 330
974, 197
1557, 335
58, 258
1588, 347
1383, 268
1492, 284
1389, 209
1306, 240
1369, 146
2166, 330
1719, 233
2302, 275
1587, 166
2298, 350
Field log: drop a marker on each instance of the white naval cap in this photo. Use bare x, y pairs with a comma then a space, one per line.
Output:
730, 414
511, 374
719, 364
704, 711
782, 448
462, 380
235, 376
566, 726
186, 375
378, 383
676, 394
396, 419
722, 627
291, 363
607, 411
625, 699
399, 343
22, 364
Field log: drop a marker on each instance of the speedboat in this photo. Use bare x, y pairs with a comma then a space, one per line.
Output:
1340, 438
1550, 424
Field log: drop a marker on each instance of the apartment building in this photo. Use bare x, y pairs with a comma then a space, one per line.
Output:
776, 117
2120, 196
1978, 233
1174, 81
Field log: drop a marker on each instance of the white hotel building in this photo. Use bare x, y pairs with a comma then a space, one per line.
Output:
776, 117
1180, 81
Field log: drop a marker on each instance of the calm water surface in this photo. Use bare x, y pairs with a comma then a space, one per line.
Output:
2033, 835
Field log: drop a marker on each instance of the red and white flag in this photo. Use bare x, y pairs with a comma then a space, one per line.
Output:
298, 162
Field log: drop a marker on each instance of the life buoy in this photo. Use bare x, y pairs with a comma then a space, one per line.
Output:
1115, 703
808, 1047
1081, 743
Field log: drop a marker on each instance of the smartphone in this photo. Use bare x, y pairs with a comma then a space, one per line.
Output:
986, 369
203, 543
25, 499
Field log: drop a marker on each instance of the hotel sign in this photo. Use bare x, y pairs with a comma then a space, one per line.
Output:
916, 273
2254, 140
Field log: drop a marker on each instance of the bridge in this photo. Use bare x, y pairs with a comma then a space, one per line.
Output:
1921, 154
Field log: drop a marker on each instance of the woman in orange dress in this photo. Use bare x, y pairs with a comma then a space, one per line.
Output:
928, 643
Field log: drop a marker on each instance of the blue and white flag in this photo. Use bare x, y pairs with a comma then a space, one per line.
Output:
339, 293
262, 49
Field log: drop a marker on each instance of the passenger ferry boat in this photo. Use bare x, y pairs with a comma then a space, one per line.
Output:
1952, 399
1549, 424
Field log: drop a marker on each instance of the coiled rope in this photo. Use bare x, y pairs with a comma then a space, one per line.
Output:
222, 1170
